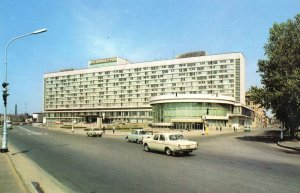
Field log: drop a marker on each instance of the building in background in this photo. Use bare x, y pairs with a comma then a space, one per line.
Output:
37, 117
260, 119
118, 91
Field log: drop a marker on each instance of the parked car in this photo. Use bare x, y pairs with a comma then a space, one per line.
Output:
247, 128
94, 132
138, 135
170, 143
8, 125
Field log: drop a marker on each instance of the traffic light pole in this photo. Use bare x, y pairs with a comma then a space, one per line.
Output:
4, 147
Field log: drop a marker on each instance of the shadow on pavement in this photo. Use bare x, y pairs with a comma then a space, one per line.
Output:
270, 136
28, 150
290, 151
24, 151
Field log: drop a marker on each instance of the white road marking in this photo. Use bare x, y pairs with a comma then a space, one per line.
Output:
28, 132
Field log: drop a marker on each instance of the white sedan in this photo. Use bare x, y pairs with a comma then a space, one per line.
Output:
94, 132
170, 143
138, 135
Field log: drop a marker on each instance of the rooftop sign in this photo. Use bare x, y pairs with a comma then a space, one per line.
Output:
101, 61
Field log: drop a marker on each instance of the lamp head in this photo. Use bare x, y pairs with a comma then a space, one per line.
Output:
39, 31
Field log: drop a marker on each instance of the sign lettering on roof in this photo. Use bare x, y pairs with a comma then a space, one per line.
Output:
101, 61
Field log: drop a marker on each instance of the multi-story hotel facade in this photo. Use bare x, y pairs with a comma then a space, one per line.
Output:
198, 88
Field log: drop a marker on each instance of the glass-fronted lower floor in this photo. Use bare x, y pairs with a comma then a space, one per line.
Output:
194, 112
107, 116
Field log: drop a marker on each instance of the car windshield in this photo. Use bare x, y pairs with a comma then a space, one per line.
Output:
176, 137
146, 132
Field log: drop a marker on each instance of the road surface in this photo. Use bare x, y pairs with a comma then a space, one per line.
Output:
238, 162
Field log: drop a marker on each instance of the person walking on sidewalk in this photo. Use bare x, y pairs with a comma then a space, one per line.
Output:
114, 130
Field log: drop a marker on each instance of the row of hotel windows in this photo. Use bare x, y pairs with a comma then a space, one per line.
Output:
133, 94
137, 93
95, 102
129, 86
192, 80
105, 114
130, 97
199, 75
195, 80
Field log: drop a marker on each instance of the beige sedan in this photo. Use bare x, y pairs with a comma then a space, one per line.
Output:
170, 143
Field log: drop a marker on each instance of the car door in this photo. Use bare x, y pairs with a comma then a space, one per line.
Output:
161, 143
153, 144
131, 136
135, 135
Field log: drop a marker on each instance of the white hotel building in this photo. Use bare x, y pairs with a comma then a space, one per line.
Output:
185, 92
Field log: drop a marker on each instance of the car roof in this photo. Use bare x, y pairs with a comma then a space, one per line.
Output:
168, 134
138, 130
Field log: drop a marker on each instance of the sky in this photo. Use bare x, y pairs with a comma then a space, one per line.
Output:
137, 30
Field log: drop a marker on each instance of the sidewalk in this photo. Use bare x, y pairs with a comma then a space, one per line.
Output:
294, 145
10, 181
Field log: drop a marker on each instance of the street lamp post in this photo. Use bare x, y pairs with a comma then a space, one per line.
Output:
4, 147
72, 119
203, 125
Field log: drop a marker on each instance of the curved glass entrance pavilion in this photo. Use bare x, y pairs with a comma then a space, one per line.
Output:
191, 111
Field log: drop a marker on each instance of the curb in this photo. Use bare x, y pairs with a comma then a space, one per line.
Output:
18, 175
33, 183
20, 183
287, 147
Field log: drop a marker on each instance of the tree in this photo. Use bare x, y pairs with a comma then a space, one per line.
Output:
280, 74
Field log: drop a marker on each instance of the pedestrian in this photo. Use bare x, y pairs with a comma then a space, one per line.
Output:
103, 129
114, 130
220, 128
234, 129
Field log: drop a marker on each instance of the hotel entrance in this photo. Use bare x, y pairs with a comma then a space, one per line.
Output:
187, 126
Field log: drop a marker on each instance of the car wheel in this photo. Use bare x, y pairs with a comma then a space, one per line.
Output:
137, 141
127, 139
168, 151
146, 147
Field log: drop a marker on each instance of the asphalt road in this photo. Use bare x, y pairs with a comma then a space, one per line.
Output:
240, 162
